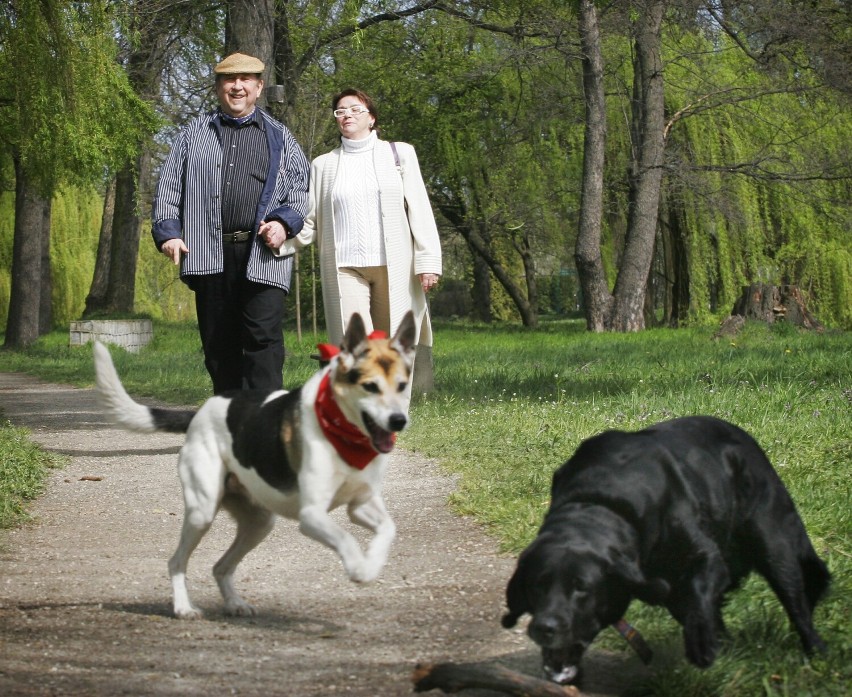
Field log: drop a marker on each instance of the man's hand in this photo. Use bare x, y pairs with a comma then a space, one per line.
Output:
273, 233
173, 249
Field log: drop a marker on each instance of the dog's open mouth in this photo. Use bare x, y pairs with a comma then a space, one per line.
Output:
383, 441
562, 665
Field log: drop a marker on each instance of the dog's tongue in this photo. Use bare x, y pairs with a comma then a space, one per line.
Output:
383, 441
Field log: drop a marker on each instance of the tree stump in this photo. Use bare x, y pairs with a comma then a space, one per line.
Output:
770, 304
730, 327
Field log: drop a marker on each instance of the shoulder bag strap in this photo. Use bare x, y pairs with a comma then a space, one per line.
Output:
396, 157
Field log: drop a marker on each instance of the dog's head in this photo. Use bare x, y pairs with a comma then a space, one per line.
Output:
573, 581
370, 380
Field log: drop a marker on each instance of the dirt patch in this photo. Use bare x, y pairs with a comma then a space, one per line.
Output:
85, 597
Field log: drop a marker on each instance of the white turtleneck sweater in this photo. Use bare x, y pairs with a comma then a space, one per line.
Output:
358, 238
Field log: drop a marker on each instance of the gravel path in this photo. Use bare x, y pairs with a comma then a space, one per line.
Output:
85, 598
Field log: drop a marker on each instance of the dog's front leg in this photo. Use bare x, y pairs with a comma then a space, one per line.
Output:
315, 522
703, 602
373, 515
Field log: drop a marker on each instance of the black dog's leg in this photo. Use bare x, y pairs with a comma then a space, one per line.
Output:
799, 579
699, 607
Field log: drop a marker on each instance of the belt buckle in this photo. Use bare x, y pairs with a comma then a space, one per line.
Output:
239, 236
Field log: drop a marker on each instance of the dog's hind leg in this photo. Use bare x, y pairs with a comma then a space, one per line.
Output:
797, 576
195, 526
253, 525
373, 515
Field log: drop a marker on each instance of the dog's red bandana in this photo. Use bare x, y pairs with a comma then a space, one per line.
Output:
351, 444
329, 351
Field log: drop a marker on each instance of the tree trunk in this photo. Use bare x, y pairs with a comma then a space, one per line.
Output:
649, 124
118, 252
597, 300
677, 265
45, 306
96, 300
250, 28
481, 290
126, 231
22, 323
477, 242
525, 250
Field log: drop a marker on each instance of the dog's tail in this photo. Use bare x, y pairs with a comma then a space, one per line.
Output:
130, 414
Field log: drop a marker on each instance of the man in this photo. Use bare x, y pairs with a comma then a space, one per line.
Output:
233, 188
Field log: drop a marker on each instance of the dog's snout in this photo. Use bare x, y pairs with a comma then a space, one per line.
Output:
543, 629
397, 421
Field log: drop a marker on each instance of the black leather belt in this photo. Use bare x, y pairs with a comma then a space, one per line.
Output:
238, 236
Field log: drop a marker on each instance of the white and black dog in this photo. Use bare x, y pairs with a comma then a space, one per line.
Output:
298, 454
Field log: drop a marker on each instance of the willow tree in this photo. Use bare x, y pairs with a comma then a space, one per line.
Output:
76, 117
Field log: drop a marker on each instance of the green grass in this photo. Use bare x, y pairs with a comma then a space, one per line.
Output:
510, 405
23, 471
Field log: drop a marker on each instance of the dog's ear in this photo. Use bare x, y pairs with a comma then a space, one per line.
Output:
652, 591
406, 335
516, 596
356, 334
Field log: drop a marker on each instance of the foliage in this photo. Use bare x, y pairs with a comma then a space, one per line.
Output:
75, 222
756, 176
78, 112
24, 467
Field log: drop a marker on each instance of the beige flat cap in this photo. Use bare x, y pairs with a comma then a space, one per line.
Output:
238, 63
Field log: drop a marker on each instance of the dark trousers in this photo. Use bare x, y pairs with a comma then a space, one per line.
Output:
241, 326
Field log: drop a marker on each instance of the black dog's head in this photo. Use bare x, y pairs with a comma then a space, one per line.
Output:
576, 578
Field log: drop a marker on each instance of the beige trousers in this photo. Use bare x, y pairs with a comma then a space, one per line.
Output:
364, 290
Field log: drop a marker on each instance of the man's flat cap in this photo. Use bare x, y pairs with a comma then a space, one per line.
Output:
238, 63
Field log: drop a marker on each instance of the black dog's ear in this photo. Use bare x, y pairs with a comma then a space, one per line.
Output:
509, 620
516, 597
649, 590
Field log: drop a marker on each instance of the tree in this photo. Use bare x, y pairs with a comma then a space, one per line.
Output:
76, 117
151, 28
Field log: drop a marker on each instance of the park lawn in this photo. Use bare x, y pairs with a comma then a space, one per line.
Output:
510, 405
24, 468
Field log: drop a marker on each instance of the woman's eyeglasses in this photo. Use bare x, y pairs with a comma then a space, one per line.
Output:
356, 110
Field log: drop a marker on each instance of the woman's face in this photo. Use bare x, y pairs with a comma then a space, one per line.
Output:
353, 125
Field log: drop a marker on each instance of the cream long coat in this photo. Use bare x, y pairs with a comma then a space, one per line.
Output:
411, 241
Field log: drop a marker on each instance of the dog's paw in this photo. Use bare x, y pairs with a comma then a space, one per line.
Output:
364, 572
189, 612
701, 644
239, 608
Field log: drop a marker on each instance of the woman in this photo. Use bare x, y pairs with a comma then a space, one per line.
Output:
375, 231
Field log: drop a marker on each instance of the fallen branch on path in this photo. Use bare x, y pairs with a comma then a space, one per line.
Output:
454, 677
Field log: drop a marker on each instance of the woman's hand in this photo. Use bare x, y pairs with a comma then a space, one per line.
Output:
428, 281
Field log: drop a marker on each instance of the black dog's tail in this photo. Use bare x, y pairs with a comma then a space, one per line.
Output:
130, 414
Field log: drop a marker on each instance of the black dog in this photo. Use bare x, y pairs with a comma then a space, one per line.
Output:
674, 515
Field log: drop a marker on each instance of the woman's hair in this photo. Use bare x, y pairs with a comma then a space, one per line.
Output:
363, 97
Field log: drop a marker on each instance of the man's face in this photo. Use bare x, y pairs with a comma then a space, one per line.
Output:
238, 93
